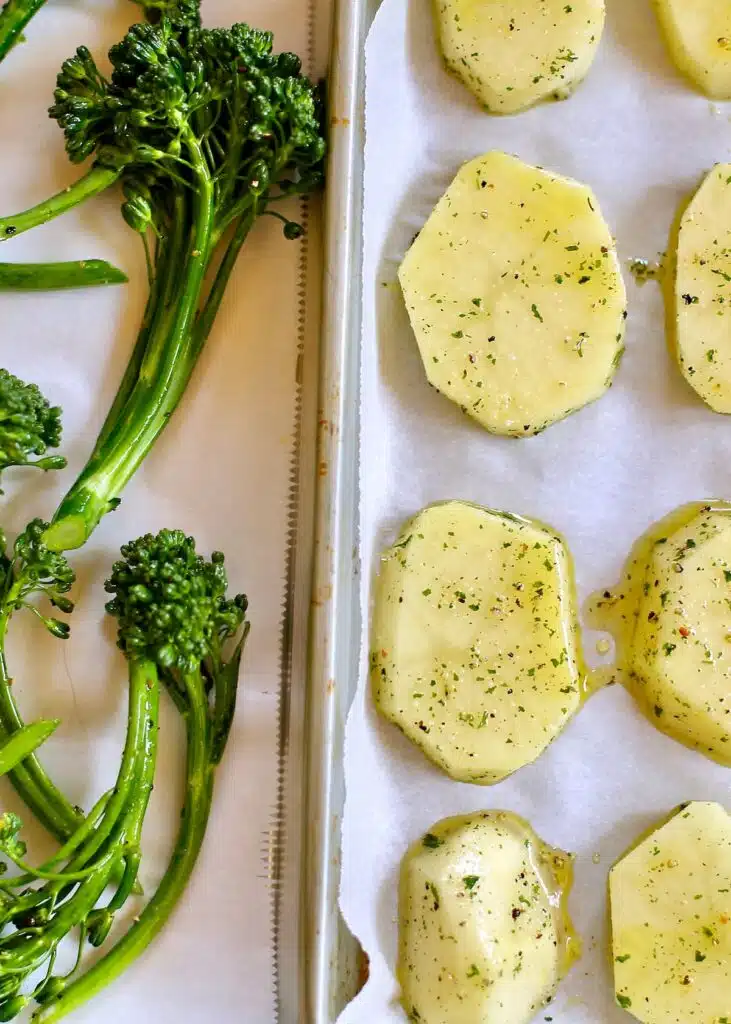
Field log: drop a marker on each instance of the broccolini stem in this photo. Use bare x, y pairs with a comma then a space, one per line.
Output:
69, 916
154, 917
24, 743
162, 296
29, 277
77, 839
205, 320
146, 672
159, 300
14, 16
96, 180
107, 846
29, 779
132, 781
164, 373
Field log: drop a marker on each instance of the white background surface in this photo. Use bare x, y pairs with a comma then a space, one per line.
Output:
220, 472
641, 138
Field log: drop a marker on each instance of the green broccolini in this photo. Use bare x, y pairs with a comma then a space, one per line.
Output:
48, 277
29, 426
175, 624
28, 571
43, 905
24, 743
205, 129
14, 16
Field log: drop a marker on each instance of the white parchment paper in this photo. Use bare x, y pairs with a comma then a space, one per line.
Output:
220, 472
641, 138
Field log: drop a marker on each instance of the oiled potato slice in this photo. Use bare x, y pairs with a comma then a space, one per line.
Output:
475, 652
671, 920
514, 53
515, 295
484, 926
699, 36
680, 654
703, 290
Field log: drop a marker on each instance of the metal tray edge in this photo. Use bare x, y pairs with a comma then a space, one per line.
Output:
331, 956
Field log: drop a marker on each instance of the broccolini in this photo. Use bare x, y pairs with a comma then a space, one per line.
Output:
27, 571
49, 277
43, 905
175, 624
14, 16
206, 130
29, 425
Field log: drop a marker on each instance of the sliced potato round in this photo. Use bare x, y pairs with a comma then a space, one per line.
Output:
514, 53
671, 920
515, 295
699, 37
703, 290
475, 652
680, 652
485, 934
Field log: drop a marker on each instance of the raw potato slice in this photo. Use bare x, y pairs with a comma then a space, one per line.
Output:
699, 36
671, 921
514, 53
475, 652
515, 295
703, 290
680, 655
484, 925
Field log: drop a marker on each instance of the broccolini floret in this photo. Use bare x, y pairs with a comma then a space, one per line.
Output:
29, 426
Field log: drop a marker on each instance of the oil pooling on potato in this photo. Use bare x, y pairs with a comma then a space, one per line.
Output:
485, 931
671, 617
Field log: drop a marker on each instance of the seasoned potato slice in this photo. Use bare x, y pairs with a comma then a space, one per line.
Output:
699, 36
515, 295
680, 651
671, 920
514, 53
703, 290
484, 926
475, 650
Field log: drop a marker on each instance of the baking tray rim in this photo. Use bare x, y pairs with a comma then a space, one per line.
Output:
331, 958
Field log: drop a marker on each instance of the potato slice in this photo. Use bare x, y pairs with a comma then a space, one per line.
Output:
514, 53
476, 654
485, 934
680, 652
515, 295
671, 920
699, 37
703, 290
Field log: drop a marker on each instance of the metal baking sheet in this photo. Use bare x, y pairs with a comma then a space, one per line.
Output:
331, 956
331, 959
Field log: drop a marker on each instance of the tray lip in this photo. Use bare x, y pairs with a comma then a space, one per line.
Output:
330, 958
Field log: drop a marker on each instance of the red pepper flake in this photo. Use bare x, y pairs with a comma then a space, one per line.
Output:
684, 631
